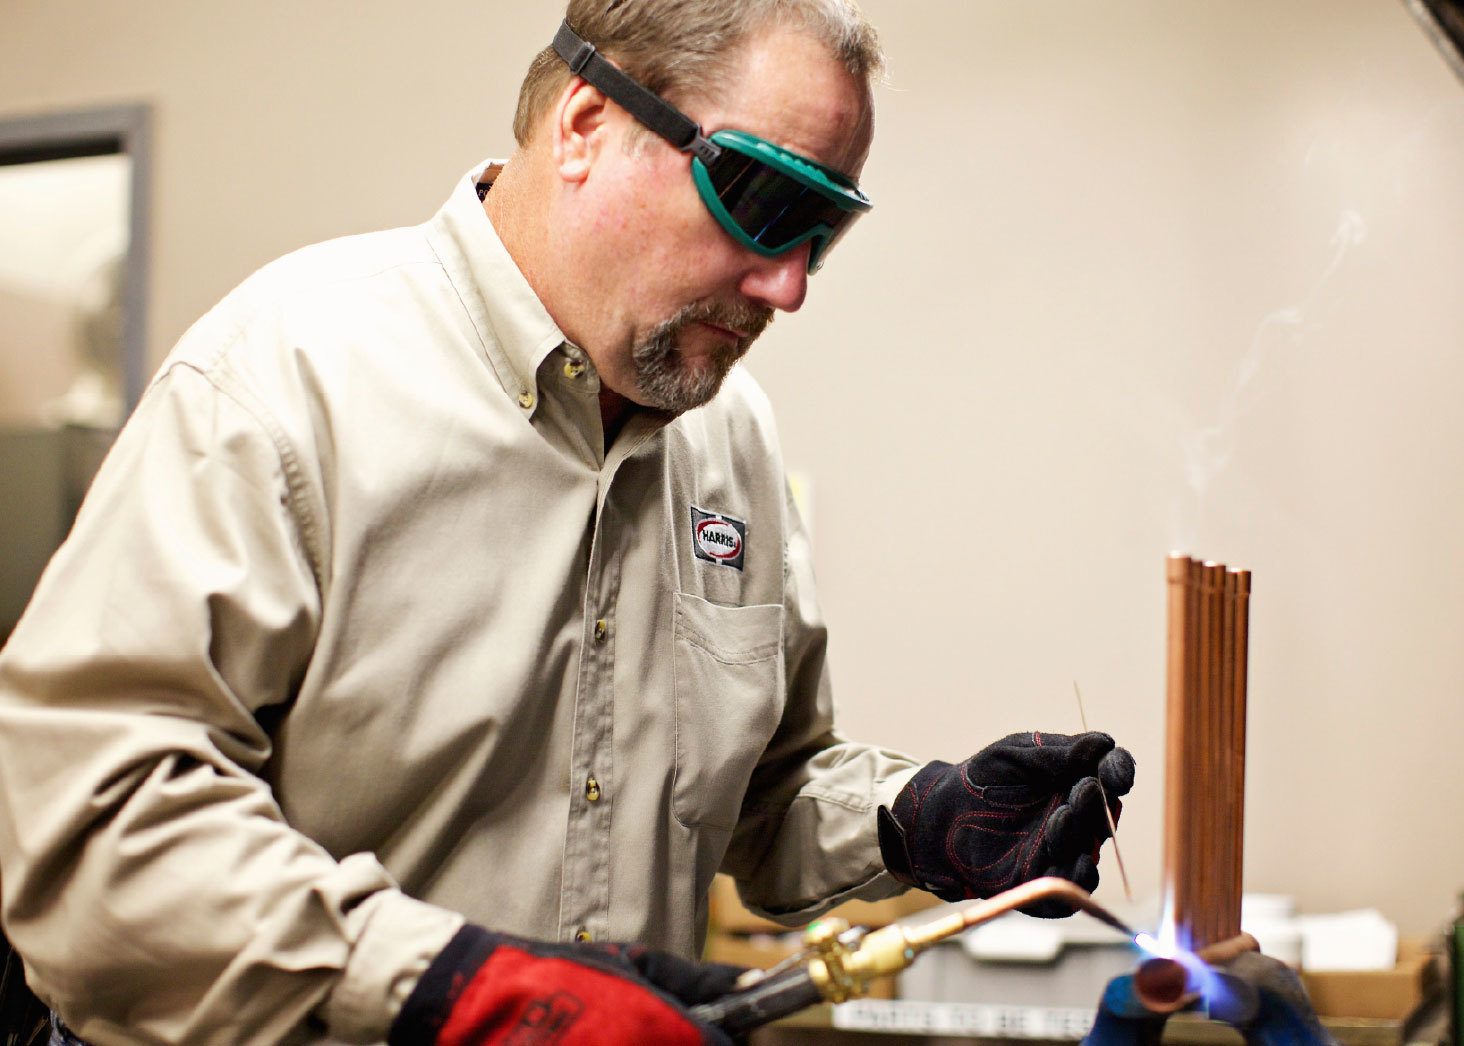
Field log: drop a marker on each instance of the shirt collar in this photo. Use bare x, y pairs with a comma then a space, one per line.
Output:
515, 329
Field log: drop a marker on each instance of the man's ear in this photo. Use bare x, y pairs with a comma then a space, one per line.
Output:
579, 130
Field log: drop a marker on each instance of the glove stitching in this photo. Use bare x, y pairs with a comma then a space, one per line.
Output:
1015, 807
1041, 835
979, 791
965, 866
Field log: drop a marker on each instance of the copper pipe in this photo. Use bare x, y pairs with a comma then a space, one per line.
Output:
1164, 985
1227, 897
1178, 572
1204, 753
1239, 678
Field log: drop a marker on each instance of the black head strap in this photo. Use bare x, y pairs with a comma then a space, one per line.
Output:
646, 106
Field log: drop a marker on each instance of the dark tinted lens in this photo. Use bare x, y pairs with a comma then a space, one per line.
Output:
766, 204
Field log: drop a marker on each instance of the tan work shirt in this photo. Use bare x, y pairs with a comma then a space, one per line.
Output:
361, 631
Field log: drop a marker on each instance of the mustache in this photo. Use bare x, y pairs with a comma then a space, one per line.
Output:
747, 319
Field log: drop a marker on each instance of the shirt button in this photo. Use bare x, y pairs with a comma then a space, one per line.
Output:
602, 629
592, 789
573, 368
583, 936
526, 399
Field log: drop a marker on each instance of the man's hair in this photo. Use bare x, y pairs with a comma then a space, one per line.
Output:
687, 49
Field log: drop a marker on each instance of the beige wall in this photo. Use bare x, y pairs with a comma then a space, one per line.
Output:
1142, 275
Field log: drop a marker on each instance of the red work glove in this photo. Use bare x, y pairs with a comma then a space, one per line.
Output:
1026, 806
489, 987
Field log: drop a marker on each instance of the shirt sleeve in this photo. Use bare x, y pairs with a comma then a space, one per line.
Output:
151, 883
806, 837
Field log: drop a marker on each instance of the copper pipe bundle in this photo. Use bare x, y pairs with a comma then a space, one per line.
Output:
1204, 805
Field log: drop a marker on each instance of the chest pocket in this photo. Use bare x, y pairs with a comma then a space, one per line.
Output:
728, 665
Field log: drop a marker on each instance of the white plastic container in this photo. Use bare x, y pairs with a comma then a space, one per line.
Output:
1271, 919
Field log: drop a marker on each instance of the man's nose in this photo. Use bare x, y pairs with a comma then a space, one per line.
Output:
780, 282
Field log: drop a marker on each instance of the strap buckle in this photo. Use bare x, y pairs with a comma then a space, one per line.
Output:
575, 51
581, 57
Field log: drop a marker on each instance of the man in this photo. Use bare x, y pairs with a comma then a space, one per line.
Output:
440, 613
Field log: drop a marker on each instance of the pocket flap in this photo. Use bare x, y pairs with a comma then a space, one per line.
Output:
732, 635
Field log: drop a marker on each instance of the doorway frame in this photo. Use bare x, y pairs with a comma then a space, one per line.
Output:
103, 131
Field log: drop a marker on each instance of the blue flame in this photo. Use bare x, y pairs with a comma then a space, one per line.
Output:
1200, 979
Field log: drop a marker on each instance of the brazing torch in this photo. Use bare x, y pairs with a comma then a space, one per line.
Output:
839, 963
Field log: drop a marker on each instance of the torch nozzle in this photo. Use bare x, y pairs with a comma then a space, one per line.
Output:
1048, 887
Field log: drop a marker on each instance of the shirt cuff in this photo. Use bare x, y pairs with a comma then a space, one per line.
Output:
395, 939
874, 883
885, 791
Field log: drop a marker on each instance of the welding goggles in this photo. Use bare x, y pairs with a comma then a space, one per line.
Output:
767, 198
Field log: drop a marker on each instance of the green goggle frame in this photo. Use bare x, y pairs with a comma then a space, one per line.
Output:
772, 200
767, 198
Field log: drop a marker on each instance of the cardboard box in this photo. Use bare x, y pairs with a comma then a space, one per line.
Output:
727, 913
1394, 994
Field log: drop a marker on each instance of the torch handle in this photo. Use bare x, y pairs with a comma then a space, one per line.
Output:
777, 996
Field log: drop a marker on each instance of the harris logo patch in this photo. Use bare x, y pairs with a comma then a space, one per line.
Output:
718, 538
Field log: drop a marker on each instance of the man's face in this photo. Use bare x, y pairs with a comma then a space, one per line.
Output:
681, 301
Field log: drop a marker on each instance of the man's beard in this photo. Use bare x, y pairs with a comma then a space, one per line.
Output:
663, 377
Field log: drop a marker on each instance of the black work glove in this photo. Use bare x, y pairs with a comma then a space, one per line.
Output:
487, 987
1026, 806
